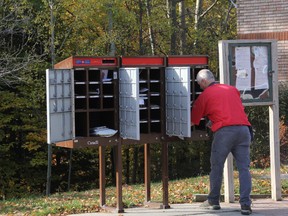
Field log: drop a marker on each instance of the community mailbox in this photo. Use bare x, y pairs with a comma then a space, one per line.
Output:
94, 101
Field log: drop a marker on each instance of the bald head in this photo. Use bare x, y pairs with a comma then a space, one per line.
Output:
204, 78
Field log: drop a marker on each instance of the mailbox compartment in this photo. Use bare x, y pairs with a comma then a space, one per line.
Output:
184, 70
94, 101
141, 100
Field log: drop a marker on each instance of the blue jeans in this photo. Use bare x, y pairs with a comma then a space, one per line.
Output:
234, 139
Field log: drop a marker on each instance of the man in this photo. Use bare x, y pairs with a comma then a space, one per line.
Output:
222, 105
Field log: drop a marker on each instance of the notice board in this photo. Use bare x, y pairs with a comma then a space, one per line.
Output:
249, 66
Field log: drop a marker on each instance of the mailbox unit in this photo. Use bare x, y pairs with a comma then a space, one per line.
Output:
141, 101
86, 88
138, 99
181, 90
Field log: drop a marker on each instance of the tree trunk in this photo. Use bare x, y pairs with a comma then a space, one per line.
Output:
141, 48
196, 18
173, 45
113, 156
110, 30
127, 163
135, 165
150, 29
183, 27
199, 15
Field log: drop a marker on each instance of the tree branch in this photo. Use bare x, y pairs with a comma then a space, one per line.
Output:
208, 9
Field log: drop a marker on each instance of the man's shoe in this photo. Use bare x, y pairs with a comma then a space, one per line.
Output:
246, 210
209, 205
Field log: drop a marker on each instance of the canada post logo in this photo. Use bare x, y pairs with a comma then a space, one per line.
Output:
92, 142
85, 61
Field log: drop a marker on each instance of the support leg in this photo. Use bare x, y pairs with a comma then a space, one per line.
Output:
70, 169
119, 179
48, 184
165, 177
147, 172
102, 176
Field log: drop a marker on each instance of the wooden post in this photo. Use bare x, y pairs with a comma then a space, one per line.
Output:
119, 167
228, 167
274, 153
165, 177
274, 129
102, 176
49, 167
229, 196
147, 159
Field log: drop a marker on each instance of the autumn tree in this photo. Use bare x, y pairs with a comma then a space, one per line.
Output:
18, 49
22, 107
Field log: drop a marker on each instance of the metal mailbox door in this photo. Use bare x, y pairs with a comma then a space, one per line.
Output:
177, 94
129, 103
59, 93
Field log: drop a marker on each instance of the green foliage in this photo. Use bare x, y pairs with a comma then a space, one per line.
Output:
85, 170
219, 23
193, 157
259, 118
260, 145
88, 32
283, 101
22, 137
283, 127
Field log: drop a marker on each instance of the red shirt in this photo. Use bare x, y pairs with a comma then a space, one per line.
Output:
221, 103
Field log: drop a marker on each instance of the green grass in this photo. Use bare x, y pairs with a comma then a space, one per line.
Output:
180, 191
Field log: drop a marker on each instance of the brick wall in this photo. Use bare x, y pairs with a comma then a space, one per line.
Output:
266, 19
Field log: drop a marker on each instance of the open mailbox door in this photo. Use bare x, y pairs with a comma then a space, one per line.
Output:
129, 118
177, 93
59, 90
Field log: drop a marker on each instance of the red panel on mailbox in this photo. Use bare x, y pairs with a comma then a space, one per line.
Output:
143, 61
72, 62
187, 60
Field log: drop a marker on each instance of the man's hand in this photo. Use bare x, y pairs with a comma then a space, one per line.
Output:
209, 124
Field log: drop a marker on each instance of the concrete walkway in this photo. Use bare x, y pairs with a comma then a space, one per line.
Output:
260, 207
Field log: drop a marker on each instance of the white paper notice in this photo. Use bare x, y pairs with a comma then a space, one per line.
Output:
261, 67
243, 68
